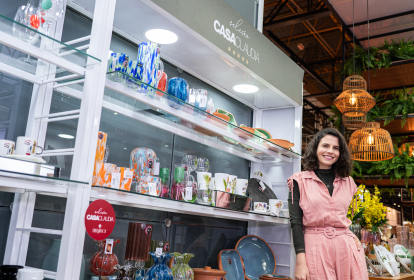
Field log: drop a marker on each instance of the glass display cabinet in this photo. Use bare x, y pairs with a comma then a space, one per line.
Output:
57, 88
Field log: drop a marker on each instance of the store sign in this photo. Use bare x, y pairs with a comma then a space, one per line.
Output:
236, 39
100, 219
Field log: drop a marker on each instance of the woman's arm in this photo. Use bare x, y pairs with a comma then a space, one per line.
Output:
296, 219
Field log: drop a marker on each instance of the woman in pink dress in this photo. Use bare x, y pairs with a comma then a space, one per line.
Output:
318, 204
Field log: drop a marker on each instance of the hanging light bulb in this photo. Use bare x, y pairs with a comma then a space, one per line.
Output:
352, 100
399, 194
370, 139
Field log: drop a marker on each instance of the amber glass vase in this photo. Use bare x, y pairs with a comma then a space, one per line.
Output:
102, 264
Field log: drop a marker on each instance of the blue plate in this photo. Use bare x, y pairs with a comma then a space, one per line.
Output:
230, 261
257, 256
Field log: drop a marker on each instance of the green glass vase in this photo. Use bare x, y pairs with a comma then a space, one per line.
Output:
181, 270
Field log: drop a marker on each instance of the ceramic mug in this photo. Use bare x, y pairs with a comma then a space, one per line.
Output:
27, 146
276, 205
261, 207
6, 147
241, 186
203, 180
29, 274
231, 184
221, 180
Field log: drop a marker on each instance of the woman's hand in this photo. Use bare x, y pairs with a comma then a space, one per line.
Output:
302, 271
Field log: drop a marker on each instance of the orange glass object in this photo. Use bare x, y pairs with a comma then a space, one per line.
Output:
34, 21
162, 84
126, 178
102, 264
103, 176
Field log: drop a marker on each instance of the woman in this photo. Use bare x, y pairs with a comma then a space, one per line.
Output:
318, 203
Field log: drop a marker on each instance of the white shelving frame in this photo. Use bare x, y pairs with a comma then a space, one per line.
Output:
92, 101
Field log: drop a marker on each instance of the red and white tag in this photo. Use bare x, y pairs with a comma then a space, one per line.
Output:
109, 245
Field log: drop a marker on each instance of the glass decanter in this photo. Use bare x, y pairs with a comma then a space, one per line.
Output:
102, 264
160, 270
164, 175
178, 189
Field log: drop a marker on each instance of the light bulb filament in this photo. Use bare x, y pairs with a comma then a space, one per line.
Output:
370, 139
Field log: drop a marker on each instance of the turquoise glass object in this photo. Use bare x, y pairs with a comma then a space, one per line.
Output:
257, 256
160, 270
231, 263
178, 88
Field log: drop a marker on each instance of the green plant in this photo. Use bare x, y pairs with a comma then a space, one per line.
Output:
379, 57
401, 104
401, 166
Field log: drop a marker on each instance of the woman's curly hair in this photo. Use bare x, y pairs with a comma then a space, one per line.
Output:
342, 167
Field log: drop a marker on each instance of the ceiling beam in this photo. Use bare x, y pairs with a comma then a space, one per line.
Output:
383, 34
381, 18
298, 18
298, 60
329, 60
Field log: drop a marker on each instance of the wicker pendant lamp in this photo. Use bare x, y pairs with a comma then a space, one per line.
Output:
371, 143
354, 102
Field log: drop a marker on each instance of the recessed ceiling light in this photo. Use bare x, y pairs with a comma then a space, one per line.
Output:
115, 113
161, 36
246, 88
124, 148
66, 136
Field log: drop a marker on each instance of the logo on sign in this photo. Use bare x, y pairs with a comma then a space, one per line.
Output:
232, 35
167, 247
148, 230
99, 219
6, 145
150, 163
27, 142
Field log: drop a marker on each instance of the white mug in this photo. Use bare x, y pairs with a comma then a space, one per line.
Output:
241, 186
276, 205
27, 146
261, 207
29, 274
231, 184
6, 147
221, 180
203, 180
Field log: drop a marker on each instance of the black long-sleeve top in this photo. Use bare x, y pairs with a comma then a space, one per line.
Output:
296, 213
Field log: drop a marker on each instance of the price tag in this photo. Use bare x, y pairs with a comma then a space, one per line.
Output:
188, 193
152, 188
108, 246
203, 102
158, 251
191, 99
157, 168
116, 180
262, 185
128, 174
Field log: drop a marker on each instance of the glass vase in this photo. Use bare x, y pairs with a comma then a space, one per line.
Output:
181, 270
160, 270
356, 229
102, 264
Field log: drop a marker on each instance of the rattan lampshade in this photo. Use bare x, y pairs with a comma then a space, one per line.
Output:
354, 123
354, 101
371, 143
410, 148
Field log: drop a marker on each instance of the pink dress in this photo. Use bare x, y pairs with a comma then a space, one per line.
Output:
331, 251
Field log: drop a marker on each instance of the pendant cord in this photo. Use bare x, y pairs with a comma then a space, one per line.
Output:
369, 59
353, 30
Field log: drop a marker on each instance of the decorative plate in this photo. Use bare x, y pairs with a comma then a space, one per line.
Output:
256, 191
265, 132
257, 256
383, 259
229, 127
231, 262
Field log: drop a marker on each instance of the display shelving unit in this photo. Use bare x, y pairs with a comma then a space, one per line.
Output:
61, 66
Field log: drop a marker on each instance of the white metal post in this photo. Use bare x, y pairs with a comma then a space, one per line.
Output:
86, 139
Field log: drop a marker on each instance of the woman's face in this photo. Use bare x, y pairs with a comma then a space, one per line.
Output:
328, 151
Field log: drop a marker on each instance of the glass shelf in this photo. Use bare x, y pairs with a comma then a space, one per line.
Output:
18, 182
124, 91
147, 201
14, 50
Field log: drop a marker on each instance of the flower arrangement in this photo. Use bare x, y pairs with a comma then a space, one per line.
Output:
369, 212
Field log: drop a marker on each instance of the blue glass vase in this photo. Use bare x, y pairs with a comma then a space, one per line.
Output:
160, 270
177, 88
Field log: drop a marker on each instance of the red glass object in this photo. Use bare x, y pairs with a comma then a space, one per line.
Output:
162, 84
138, 242
102, 264
177, 192
34, 21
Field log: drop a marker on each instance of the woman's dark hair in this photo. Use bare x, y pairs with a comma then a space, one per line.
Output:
342, 167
